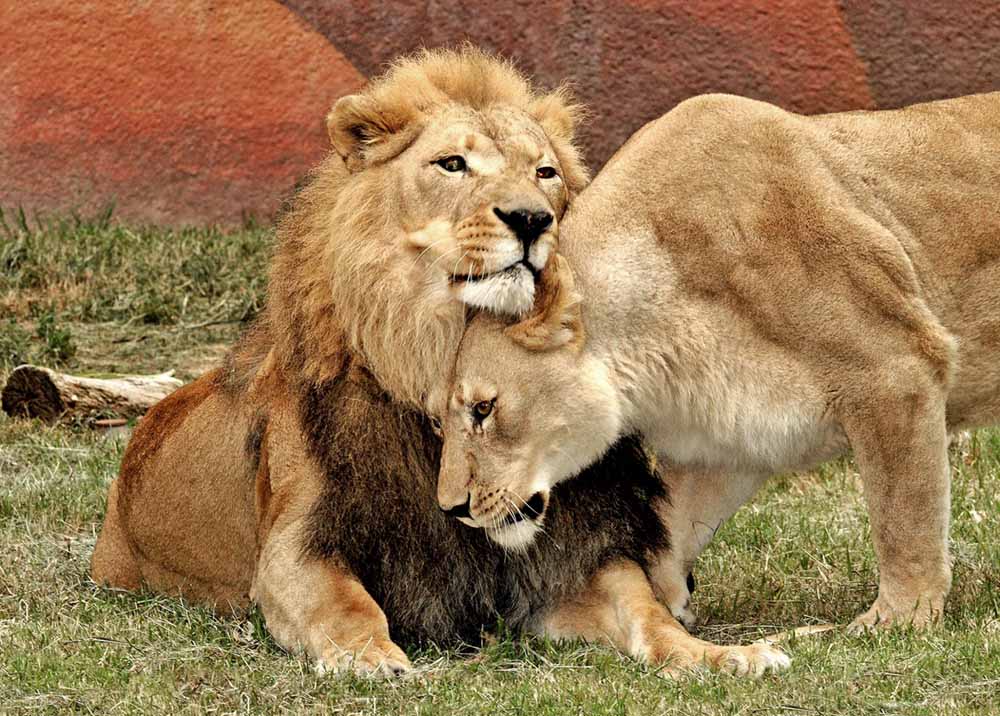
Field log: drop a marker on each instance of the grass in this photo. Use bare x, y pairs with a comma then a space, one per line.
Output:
798, 554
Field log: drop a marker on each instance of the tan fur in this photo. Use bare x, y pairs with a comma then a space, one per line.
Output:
555, 318
762, 292
620, 608
218, 484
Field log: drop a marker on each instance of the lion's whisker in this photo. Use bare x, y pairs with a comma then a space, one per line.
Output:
428, 248
454, 269
434, 262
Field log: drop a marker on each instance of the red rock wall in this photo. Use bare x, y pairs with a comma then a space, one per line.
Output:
204, 111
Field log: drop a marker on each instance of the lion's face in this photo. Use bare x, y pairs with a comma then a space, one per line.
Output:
482, 193
450, 176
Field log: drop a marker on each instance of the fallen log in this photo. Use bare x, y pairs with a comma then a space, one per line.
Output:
36, 392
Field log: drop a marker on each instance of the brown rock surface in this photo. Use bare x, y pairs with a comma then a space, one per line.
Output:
176, 112
201, 111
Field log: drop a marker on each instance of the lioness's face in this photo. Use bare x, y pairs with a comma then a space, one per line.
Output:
482, 195
517, 422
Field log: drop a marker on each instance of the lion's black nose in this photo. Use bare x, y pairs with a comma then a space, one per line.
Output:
527, 225
459, 510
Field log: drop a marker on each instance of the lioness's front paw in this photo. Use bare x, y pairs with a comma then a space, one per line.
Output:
751, 660
885, 615
378, 657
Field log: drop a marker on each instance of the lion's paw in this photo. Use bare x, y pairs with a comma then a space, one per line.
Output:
752, 660
378, 657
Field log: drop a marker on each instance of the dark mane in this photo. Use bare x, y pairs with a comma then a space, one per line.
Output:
435, 578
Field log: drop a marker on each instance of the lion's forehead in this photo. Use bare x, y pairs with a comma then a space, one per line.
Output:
516, 131
499, 132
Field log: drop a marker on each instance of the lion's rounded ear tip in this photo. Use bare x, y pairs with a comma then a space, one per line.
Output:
344, 112
526, 336
344, 102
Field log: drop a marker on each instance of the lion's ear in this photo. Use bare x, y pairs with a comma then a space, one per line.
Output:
559, 115
558, 112
556, 319
362, 132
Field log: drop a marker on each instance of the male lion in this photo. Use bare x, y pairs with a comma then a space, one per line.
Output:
761, 292
301, 475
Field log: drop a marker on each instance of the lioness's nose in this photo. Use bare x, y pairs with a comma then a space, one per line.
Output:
458, 510
527, 225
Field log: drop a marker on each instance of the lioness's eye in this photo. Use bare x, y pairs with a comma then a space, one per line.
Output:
482, 409
545, 172
453, 163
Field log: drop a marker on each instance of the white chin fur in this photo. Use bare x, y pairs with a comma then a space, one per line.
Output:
538, 256
515, 537
511, 293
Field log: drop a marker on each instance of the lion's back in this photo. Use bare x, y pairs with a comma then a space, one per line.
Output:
182, 506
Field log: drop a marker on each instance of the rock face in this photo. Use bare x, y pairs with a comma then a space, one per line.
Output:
205, 111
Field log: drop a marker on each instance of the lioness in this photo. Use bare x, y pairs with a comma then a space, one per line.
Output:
761, 292
301, 475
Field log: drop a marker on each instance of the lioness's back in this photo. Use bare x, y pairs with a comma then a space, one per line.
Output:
810, 226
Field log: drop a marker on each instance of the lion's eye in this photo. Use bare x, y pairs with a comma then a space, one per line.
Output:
436, 427
545, 172
452, 164
482, 409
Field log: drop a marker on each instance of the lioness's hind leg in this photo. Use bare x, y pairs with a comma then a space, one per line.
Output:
901, 445
113, 563
620, 608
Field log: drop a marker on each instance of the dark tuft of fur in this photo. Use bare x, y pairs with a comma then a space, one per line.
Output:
435, 578
255, 439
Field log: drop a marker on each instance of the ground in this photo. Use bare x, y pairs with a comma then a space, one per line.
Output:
95, 297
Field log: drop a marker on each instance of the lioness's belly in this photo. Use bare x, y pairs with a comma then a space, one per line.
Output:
750, 425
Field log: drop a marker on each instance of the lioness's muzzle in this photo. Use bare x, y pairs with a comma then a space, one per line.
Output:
532, 510
459, 511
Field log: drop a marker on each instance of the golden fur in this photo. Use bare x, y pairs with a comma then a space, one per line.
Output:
233, 489
762, 292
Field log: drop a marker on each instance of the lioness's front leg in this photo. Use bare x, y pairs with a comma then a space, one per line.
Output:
901, 445
700, 501
619, 608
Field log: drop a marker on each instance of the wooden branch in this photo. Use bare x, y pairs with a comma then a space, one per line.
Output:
38, 392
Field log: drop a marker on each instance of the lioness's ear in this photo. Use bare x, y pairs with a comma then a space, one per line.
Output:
362, 132
556, 319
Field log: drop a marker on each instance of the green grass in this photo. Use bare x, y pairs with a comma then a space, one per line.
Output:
93, 295
798, 554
